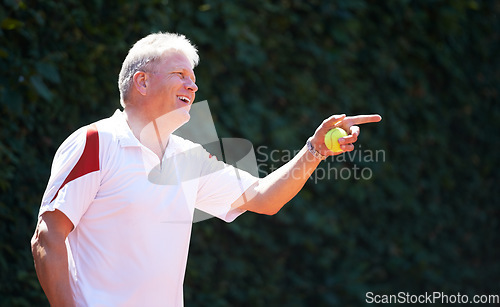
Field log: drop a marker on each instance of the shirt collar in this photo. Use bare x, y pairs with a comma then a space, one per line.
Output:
127, 139
125, 136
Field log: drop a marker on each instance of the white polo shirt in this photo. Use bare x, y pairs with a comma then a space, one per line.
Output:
132, 217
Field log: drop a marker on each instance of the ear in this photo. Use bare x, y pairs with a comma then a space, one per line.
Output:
140, 82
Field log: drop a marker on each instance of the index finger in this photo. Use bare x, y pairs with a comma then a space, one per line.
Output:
364, 119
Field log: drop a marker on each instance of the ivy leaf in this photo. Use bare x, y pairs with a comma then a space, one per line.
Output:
13, 100
40, 87
48, 71
11, 24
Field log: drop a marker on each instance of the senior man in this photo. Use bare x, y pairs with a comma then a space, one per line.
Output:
107, 235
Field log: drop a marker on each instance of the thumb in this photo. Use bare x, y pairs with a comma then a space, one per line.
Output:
334, 120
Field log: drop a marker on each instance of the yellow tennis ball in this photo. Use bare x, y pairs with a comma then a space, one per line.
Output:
332, 139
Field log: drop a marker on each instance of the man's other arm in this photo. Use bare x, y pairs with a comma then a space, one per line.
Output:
51, 258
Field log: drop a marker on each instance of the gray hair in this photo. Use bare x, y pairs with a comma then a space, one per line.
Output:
149, 50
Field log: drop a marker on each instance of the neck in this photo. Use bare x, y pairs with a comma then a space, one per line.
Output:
153, 133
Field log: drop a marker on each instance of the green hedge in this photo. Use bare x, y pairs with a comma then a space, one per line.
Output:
426, 219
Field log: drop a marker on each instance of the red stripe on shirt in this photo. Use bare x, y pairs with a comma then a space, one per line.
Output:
89, 160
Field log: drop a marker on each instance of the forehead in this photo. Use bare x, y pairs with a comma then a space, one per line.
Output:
175, 60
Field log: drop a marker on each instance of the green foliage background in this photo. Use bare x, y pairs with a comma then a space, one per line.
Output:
428, 218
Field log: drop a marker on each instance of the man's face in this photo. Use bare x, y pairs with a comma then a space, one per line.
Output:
171, 86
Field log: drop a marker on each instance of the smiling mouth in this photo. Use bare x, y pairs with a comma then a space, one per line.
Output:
184, 99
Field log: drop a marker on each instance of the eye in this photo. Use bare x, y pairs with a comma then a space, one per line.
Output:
180, 74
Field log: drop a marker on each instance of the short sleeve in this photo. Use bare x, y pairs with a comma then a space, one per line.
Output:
75, 175
221, 185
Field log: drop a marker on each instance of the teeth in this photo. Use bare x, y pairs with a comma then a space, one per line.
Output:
184, 99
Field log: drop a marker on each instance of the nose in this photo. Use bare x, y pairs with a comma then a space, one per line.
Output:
191, 85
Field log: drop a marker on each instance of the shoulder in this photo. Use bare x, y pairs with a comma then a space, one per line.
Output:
76, 141
81, 145
181, 147
109, 129
92, 136
180, 144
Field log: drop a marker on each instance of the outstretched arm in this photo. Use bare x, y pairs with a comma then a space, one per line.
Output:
271, 193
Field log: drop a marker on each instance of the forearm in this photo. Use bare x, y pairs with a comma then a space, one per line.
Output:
272, 192
51, 265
